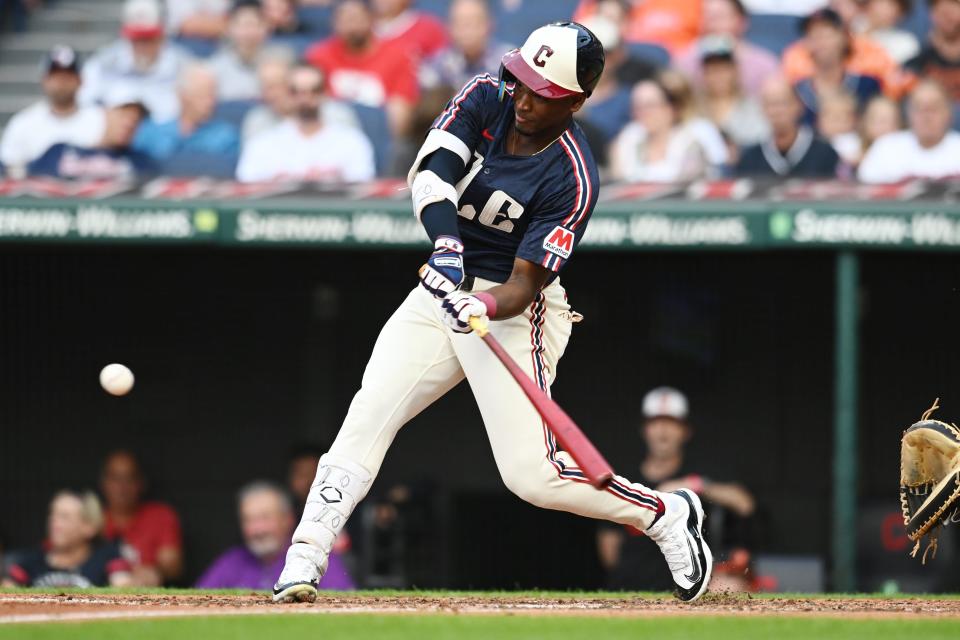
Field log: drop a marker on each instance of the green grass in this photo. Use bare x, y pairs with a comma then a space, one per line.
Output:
468, 627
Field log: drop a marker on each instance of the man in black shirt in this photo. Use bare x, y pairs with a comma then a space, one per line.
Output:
630, 561
793, 150
939, 59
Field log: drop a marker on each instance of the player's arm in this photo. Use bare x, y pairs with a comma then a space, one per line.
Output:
500, 302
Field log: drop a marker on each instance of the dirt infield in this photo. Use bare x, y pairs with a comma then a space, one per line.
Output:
33, 607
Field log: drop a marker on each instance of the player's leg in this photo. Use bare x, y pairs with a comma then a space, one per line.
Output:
412, 365
527, 454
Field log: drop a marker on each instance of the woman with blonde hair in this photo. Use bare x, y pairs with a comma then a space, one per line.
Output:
72, 555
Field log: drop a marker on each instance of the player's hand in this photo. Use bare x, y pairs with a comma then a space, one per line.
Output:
458, 308
443, 272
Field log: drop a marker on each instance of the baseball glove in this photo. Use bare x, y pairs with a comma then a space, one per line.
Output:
929, 479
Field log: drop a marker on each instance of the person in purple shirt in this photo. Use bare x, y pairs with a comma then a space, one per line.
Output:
266, 521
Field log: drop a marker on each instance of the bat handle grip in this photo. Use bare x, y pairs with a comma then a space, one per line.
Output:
479, 326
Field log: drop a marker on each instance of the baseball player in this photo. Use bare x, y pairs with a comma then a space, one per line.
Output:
504, 185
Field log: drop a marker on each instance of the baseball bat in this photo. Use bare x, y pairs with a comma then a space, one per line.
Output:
568, 434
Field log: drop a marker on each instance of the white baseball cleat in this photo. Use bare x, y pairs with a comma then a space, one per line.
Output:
679, 534
300, 575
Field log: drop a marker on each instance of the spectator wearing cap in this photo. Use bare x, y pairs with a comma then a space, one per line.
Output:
418, 33
195, 129
939, 58
630, 562
881, 20
793, 149
266, 523
358, 66
670, 24
142, 61
111, 159
73, 554
55, 119
728, 19
235, 63
656, 146
928, 149
863, 57
829, 45
305, 146
471, 51
723, 101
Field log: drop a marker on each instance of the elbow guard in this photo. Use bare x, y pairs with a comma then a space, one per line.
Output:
428, 188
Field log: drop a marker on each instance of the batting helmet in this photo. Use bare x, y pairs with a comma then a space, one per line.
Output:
557, 60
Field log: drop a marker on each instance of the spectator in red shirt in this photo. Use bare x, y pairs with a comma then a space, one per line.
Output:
362, 68
420, 33
150, 531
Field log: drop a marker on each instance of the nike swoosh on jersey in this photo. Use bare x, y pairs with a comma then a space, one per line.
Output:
486, 134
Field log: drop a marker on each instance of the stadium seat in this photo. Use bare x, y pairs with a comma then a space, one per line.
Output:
439, 8
513, 25
917, 21
317, 19
652, 53
297, 43
194, 163
200, 47
234, 111
772, 31
373, 121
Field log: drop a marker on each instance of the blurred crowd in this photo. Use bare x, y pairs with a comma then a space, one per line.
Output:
343, 90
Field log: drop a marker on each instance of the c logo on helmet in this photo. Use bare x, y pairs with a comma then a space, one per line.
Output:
543, 52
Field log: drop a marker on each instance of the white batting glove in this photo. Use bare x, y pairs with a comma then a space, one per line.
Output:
458, 308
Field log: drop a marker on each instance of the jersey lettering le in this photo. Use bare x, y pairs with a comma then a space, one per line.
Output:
531, 207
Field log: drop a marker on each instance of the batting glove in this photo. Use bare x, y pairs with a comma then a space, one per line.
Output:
458, 308
443, 272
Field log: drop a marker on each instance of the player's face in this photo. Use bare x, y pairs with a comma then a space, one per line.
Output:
664, 437
536, 115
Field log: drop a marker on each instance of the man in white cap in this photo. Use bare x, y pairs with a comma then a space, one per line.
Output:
142, 59
55, 119
634, 564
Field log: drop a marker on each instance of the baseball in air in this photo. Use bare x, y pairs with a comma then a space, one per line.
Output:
116, 379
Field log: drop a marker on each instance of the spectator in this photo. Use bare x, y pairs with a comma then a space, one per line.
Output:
881, 24
863, 56
608, 109
631, 563
111, 159
194, 130
149, 530
71, 556
728, 19
703, 130
55, 119
829, 43
197, 19
235, 63
939, 59
470, 52
142, 62
359, 67
738, 115
929, 149
837, 123
672, 24
793, 150
301, 472
286, 28
418, 33
880, 117
273, 75
655, 146
304, 146
266, 521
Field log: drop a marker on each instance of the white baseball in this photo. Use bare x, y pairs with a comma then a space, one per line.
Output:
116, 379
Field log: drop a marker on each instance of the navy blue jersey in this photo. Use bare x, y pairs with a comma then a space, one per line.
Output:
531, 207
